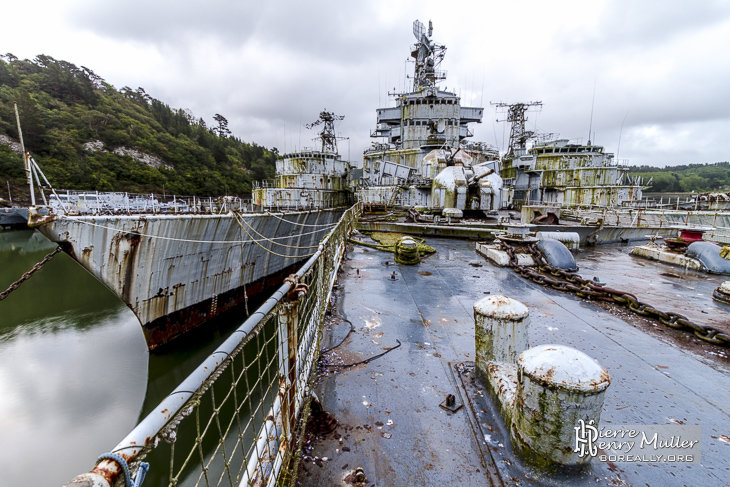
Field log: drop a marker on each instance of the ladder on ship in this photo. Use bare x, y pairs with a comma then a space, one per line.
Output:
400, 184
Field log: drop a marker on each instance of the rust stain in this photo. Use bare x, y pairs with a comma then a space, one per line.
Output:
109, 473
548, 376
169, 326
605, 377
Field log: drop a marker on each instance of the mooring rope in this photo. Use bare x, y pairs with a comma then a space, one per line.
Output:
160, 237
271, 251
328, 225
243, 220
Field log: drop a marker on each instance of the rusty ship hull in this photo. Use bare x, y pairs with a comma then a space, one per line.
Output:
178, 271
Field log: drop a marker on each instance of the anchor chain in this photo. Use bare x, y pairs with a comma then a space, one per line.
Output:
589, 289
28, 274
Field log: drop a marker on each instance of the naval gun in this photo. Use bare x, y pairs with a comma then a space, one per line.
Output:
463, 184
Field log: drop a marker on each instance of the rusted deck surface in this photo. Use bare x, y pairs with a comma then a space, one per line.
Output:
390, 422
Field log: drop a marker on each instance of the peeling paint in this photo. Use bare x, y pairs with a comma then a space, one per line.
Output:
155, 264
556, 387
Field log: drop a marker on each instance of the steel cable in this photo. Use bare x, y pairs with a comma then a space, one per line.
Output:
28, 274
160, 237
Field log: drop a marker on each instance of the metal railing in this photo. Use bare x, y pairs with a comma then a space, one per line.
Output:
68, 202
650, 217
236, 419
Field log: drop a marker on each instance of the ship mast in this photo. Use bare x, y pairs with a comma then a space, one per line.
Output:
518, 135
26, 161
428, 56
327, 135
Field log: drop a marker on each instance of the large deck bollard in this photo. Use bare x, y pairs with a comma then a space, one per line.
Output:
542, 392
501, 325
406, 251
556, 387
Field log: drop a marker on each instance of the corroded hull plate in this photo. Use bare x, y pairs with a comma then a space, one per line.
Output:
177, 271
166, 328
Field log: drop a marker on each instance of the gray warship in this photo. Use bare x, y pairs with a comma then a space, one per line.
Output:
426, 160
177, 269
310, 178
560, 173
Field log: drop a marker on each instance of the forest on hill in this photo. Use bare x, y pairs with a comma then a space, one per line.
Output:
700, 178
87, 135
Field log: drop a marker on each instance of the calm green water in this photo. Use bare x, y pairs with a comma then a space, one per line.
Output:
75, 373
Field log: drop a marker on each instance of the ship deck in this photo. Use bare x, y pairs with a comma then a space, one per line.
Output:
389, 420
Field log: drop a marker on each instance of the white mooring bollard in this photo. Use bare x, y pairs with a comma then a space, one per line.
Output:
722, 292
556, 387
501, 330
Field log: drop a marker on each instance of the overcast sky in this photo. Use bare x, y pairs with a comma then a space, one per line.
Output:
660, 69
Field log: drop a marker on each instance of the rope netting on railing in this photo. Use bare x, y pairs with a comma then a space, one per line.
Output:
235, 420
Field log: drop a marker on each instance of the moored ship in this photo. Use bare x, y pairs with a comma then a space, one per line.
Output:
426, 160
557, 173
176, 269
310, 178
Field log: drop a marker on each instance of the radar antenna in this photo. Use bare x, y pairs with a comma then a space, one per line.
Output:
518, 135
327, 135
428, 56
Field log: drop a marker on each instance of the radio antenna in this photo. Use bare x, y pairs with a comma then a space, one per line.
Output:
618, 149
593, 102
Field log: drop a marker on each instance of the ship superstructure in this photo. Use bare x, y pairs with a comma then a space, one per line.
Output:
425, 159
310, 178
560, 173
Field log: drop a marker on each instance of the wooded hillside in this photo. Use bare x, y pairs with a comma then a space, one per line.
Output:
700, 178
63, 108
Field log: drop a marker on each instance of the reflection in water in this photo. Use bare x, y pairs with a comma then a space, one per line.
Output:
60, 287
74, 366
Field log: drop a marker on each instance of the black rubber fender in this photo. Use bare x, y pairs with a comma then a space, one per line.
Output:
709, 254
557, 254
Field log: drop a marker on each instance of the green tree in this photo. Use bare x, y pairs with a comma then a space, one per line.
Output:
663, 182
693, 183
222, 128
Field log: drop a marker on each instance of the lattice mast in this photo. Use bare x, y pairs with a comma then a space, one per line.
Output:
327, 135
516, 116
428, 56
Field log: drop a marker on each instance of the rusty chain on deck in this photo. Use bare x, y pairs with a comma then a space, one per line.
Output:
28, 274
588, 289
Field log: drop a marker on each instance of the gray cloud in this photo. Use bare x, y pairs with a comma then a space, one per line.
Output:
269, 68
630, 25
317, 30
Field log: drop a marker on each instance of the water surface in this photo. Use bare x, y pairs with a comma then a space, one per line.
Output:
75, 373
